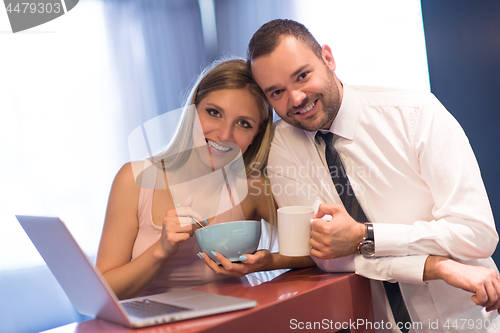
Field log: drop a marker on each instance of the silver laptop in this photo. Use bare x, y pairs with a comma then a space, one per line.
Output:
91, 295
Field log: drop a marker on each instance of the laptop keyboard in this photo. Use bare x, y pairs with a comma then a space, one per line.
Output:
149, 308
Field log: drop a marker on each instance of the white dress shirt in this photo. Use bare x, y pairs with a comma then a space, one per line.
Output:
417, 179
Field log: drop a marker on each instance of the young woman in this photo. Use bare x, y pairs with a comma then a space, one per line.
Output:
147, 245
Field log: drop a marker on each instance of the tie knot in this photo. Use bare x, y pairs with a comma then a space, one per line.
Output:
327, 137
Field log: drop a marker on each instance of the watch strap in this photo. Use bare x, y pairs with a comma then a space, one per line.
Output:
369, 231
367, 245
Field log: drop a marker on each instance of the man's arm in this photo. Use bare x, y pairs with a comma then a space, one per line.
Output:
461, 223
483, 282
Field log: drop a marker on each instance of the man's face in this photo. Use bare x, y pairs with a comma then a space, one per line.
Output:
302, 88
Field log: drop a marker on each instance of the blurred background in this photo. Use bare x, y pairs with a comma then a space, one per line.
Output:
73, 89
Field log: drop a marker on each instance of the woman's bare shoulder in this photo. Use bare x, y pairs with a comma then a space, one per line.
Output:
131, 173
129, 178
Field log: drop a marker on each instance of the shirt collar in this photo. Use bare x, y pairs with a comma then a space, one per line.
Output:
345, 122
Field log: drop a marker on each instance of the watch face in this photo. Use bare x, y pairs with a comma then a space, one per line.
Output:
367, 249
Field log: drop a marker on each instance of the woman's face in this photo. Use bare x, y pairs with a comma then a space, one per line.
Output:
230, 119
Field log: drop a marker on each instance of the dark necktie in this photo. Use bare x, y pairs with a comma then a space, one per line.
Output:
340, 179
352, 206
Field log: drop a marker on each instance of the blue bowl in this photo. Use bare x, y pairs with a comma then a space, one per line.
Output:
231, 239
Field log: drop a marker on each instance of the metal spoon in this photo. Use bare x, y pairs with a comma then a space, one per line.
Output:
195, 220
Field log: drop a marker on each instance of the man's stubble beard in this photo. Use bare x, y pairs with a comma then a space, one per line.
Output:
329, 101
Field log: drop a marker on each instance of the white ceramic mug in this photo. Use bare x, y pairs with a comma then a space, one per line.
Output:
294, 230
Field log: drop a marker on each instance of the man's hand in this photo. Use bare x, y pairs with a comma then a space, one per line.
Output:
483, 282
338, 237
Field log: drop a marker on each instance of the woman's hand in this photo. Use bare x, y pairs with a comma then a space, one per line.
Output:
178, 226
249, 263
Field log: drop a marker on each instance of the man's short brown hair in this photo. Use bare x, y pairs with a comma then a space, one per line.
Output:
267, 38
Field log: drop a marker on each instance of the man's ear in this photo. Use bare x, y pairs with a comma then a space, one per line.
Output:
327, 55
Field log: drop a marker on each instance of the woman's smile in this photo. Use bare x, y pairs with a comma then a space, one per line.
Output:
217, 146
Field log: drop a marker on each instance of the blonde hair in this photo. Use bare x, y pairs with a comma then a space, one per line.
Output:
226, 74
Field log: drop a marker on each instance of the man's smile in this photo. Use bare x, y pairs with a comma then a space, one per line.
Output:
306, 109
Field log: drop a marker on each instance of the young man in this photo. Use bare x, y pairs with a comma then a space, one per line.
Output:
411, 169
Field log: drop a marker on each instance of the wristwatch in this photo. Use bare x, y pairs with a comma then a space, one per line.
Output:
367, 245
